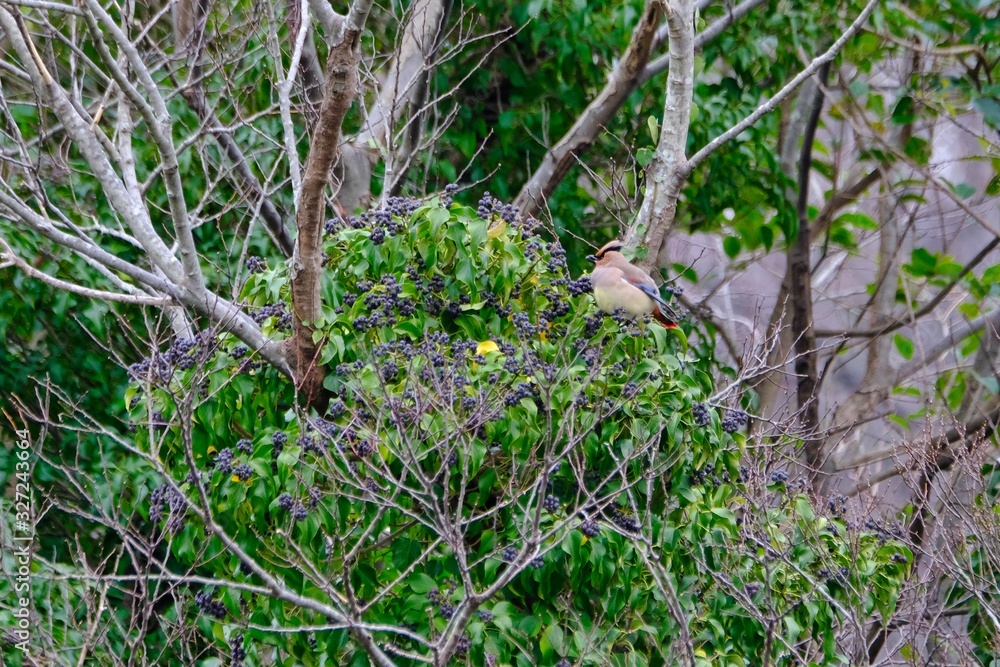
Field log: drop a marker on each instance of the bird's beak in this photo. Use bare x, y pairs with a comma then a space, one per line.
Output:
591, 258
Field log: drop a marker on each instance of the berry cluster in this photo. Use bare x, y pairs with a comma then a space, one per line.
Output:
523, 325
296, 508
580, 286
183, 353
625, 521
699, 477
491, 300
332, 226
278, 441
309, 444
440, 599
449, 195
590, 528
224, 461
510, 554
523, 390
734, 421
237, 652
166, 497
837, 505
701, 414
383, 221
209, 605
885, 530
551, 503
256, 264
278, 310
557, 257
489, 206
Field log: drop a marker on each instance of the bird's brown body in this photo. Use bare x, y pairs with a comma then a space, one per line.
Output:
619, 284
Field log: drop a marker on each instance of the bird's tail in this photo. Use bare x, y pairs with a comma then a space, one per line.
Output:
667, 319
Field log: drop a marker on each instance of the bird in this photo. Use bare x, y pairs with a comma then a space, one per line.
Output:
619, 284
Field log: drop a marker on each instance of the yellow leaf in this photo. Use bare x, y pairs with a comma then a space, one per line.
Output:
487, 346
496, 230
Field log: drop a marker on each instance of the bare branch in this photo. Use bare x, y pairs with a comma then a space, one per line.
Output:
732, 15
666, 173
801, 289
84, 134
624, 78
788, 89
9, 258
332, 22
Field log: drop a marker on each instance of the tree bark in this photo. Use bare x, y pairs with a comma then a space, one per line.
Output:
624, 79
667, 172
307, 308
397, 92
800, 283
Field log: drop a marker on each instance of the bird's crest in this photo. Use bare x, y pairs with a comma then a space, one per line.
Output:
610, 246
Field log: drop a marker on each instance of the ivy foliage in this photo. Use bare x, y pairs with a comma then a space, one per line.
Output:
499, 460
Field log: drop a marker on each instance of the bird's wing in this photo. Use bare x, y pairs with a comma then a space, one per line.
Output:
653, 293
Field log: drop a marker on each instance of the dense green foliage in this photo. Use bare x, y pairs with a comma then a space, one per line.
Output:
486, 419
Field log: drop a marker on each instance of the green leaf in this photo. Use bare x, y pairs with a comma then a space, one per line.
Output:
857, 219
555, 638
421, 583
767, 237
903, 112
904, 345
724, 513
990, 108
918, 150
964, 190
731, 245
644, 156
654, 129
922, 263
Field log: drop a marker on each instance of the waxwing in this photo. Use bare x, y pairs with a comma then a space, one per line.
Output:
618, 284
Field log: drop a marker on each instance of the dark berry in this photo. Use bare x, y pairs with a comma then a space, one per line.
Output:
256, 264
701, 415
